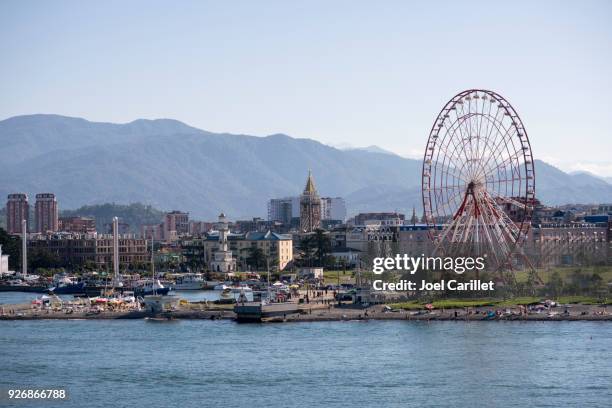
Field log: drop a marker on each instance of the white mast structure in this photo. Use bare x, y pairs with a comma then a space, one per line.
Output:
116, 279
152, 255
24, 248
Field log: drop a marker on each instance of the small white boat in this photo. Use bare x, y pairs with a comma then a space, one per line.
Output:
16, 282
240, 289
220, 286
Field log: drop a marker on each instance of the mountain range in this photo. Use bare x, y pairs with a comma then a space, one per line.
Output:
170, 165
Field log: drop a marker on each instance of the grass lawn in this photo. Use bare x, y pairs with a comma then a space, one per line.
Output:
526, 300
453, 303
587, 300
566, 273
331, 277
413, 305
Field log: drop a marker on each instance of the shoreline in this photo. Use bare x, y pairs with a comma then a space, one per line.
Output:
578, 312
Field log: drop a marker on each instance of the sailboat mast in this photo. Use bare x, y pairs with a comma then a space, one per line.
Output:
116, 250
152, 256
268, 269
24, 248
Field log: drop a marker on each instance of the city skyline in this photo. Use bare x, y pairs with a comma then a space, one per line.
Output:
301, 70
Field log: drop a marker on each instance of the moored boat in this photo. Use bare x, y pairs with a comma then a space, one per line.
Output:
189, 281
256, 311
64, 285
148, 287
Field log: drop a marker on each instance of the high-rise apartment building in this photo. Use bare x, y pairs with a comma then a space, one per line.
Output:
176, 224
284, 209
281, 209
17, 209
333, 208
46, 213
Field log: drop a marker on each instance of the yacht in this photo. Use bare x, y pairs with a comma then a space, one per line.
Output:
189, 281
65, 285
231, 288
147, 287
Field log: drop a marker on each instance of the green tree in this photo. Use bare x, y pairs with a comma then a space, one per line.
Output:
135, 214
256, 258
306, 251
322, 247
11, 246
41, 258
597, 283
555, 285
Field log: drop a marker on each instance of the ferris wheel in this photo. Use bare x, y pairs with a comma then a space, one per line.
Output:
478, 178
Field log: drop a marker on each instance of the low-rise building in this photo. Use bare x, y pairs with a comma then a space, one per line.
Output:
276, 248
346, 257
78, 249
200, 227
152, 231
4, 263
79, 225
378, 218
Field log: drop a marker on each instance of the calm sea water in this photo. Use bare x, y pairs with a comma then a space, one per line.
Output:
397, 364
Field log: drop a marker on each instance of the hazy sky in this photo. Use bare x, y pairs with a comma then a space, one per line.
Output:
356, 73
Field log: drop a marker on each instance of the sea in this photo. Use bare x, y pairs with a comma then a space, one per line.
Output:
204, 363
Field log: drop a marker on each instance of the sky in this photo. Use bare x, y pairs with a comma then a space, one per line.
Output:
346, 73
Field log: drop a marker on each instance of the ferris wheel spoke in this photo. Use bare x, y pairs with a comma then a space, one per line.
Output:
459, 125
451, 131
447, 156
482, 120
466, 125
499, 152
490, 242
490, 138
501, 141
496, 131
445, 170
499, 230
448, 198
515, 156
514, 231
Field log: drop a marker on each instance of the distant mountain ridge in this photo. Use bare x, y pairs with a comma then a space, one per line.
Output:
170, 165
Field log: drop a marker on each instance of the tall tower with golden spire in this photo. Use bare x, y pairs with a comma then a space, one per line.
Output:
310, 207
